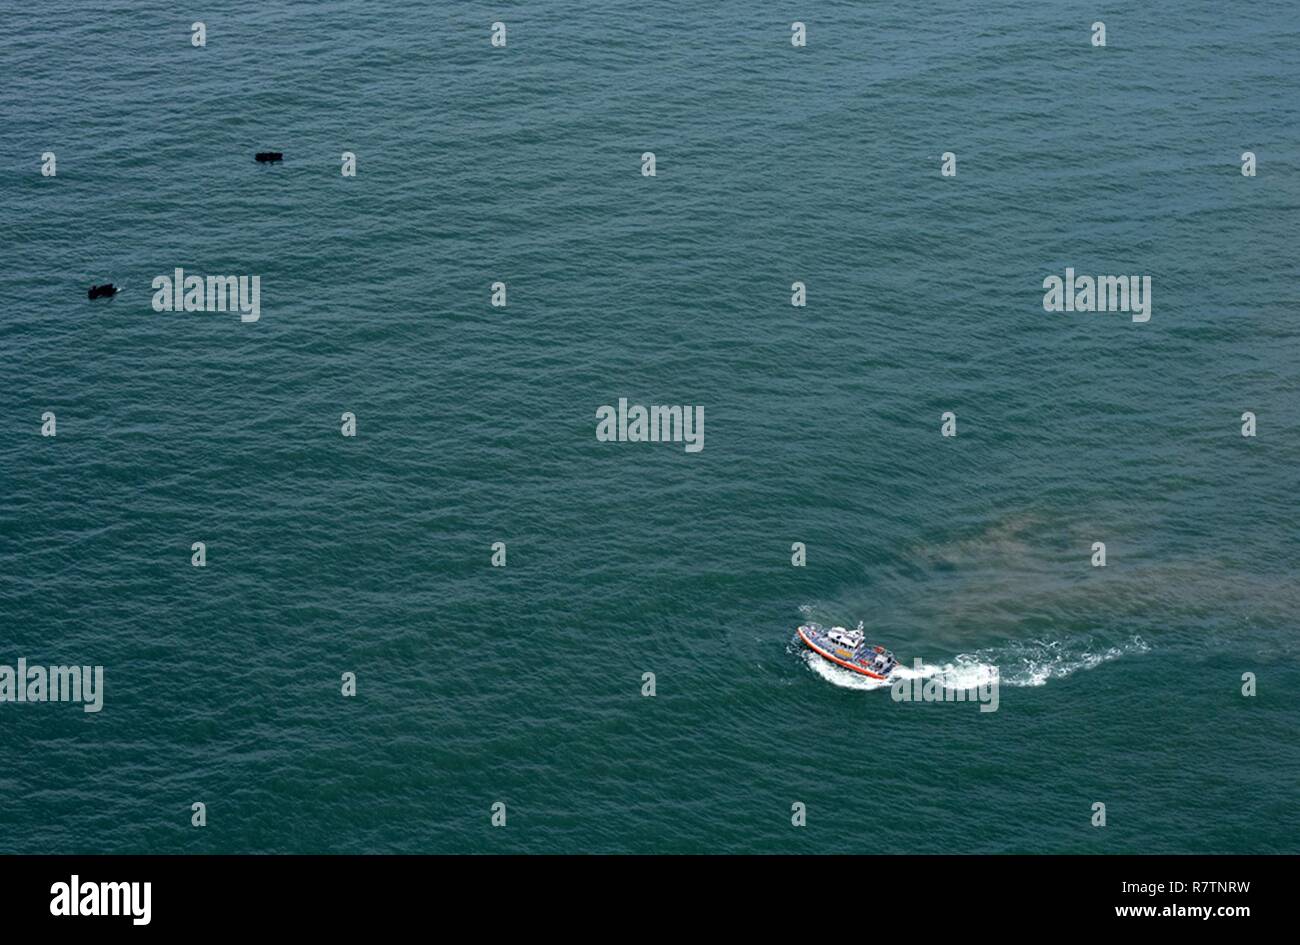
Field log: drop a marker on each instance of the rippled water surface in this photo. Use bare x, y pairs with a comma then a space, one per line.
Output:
476, 424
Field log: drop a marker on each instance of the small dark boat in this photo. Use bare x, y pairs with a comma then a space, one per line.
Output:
268, 157
108, 290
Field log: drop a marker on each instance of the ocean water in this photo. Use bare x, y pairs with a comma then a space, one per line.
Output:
522, 684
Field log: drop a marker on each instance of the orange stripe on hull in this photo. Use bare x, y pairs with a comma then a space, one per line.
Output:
818, 650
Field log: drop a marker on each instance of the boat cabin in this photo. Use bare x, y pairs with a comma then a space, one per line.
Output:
850, 638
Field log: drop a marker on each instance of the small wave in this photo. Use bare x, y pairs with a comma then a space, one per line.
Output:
1034, 662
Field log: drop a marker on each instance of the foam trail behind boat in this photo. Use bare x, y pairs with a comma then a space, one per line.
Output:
1029, 663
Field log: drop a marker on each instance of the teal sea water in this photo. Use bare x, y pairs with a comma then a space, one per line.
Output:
476, 424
